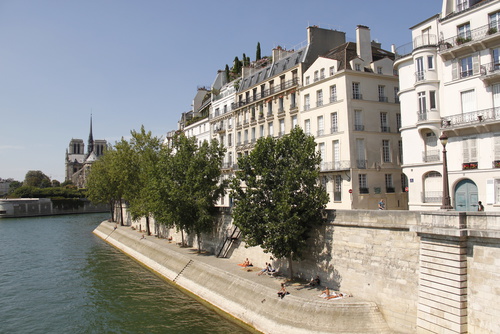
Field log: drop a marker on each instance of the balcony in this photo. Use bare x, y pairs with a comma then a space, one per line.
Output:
319, 103
327, 166
383, 99
490, 73
419, 76
333, 98
361, 164
334, 129
484, 117
357, 96
428, 115
359, 127
418, 42
432, 196
472, 41
431, 156
469, 165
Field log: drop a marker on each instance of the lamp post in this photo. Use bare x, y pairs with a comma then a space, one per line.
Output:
446, 204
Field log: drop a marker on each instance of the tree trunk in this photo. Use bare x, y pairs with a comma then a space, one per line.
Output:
198, 236
148, 230
112, 210
182, 238
290, 265
121, 213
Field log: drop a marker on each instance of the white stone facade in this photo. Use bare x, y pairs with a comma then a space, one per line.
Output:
450, 83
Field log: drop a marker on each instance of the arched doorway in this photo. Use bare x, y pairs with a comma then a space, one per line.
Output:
466, 196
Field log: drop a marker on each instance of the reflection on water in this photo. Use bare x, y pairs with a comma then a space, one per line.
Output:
57, 277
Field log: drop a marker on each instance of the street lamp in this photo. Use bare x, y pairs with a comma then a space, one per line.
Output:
446, 204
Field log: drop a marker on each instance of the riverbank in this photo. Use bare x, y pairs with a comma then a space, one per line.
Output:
244, 294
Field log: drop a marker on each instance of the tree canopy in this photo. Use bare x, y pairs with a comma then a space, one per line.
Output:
36, 178
278, 199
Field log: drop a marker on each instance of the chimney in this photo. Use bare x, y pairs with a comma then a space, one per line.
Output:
364, 44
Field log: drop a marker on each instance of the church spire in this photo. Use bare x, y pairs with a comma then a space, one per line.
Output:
90, 146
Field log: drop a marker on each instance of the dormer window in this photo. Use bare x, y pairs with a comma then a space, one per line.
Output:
357, 67
332, 70
316, 76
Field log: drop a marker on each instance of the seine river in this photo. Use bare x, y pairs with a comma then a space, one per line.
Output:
56, 276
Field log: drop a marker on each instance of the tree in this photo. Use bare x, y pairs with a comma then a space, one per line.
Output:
36, 178
278, 198
145, 154
257, 52
226, 71
188, 185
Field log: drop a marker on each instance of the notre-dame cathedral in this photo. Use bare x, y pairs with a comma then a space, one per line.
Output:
78, 162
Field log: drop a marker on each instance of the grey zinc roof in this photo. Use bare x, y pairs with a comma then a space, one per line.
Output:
272, 70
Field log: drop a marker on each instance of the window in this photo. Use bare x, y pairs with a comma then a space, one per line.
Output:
463, 33
307, 80
379, 70
422, 105
384, 124
361, 154
282, 128
261, 131
280, 105
322, 153
462, 5
357, 67
469, 150
333, 93
430, 62
494, 23
400, 151
316, 77
396, 94
294, 121
398, 122
497, 147
468, 99
337, 190
306, 102
293, 102
245, 138
363, 184
419, 73
355, 91
230, 140
332, 70
381, 94
270, 131
239, 139
319, 98
336, 155
322, 74
432, 99
253, 135
358, 121
389, 185
334, 122
386, 151
466, 69
321, 126
307, 126
269, 108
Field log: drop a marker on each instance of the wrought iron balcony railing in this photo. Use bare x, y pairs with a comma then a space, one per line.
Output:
335, 165
490, 115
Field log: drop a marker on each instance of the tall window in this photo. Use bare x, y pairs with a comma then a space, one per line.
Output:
497, 147
293, 102
494, 22
253, 135
282, 127
358, 121
333, 93
400, 152
307, 80
381, 94
321, 126
316, 76
336, 154
384, 124
334, 122
261, 130
307, 126
420, 73
469, 150
389, 185
386, 151
294, 121
270, 129
239, 139
337, 190
355, 91
306, 102
319, 98
430, 62
422, 103
396, 94
463, 33
363, 184
280, 105
322, 153
466, 69
322, 74
361, 153
230, 140
332, 70
432, 99
398, 122
246, 137
269, 108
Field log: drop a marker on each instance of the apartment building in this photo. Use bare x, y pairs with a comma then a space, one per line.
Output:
349, 103
450, 84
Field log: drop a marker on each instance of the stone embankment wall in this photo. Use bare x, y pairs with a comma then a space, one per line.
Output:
33, 207
245, 299
429, 272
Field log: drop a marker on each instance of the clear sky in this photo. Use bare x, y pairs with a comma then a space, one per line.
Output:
133, 63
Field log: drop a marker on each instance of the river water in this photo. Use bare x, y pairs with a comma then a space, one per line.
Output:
56, 276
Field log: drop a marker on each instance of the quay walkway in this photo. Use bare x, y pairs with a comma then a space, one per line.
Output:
244, 294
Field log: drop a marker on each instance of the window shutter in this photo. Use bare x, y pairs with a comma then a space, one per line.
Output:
465, 150
475, 64
490, 191
497, 147
472, 146
454, 69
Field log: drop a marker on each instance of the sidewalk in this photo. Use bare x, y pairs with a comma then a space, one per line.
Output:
301, 290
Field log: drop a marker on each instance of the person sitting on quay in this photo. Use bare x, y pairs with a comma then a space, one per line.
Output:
282, 292
315, 281
270, 269
246, 263
264, 270
325, 293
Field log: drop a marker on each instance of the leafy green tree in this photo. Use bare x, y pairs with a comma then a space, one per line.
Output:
101, 186
145, 154
226, 71
278, 199
188, 185
36, 178
257, 52
14, 185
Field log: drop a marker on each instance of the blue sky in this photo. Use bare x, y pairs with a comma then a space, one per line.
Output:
133, 63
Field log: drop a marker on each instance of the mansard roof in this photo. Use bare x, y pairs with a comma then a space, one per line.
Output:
346, 52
